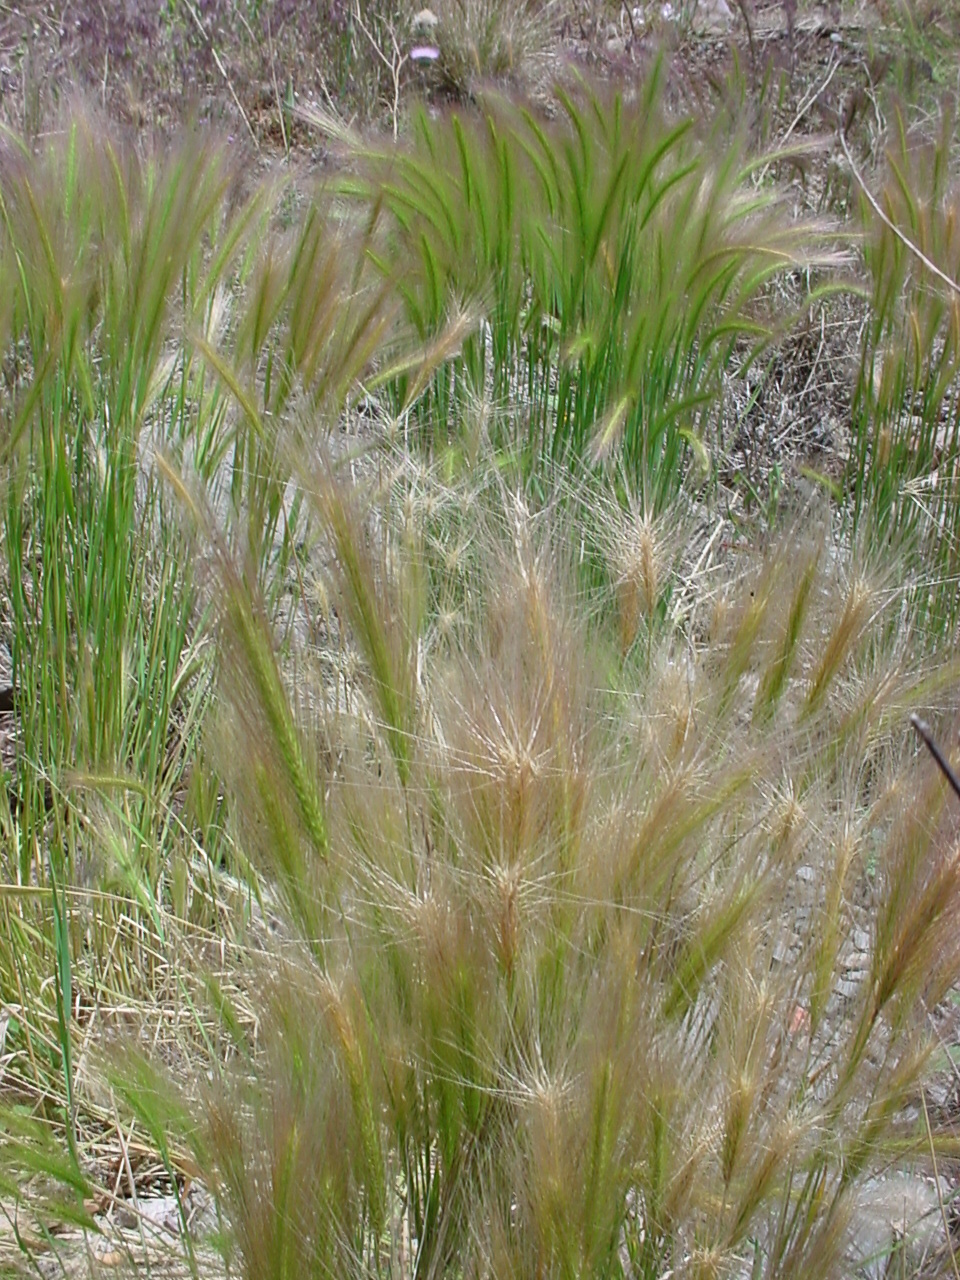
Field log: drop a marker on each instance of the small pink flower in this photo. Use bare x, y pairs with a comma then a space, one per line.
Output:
424, 53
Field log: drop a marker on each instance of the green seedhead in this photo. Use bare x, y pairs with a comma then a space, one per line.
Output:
615, 257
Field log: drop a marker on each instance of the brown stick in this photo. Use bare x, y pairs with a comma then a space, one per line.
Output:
923, 729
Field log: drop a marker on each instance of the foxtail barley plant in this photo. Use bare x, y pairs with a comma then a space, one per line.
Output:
616, 259
513, 883
617, 976
903, 465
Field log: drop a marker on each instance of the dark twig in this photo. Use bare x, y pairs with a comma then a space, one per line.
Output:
923, 729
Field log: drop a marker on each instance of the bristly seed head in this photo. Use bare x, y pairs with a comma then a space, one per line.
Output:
638, 577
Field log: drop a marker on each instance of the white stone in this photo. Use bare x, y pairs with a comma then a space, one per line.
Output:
898, 1208
712, 16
